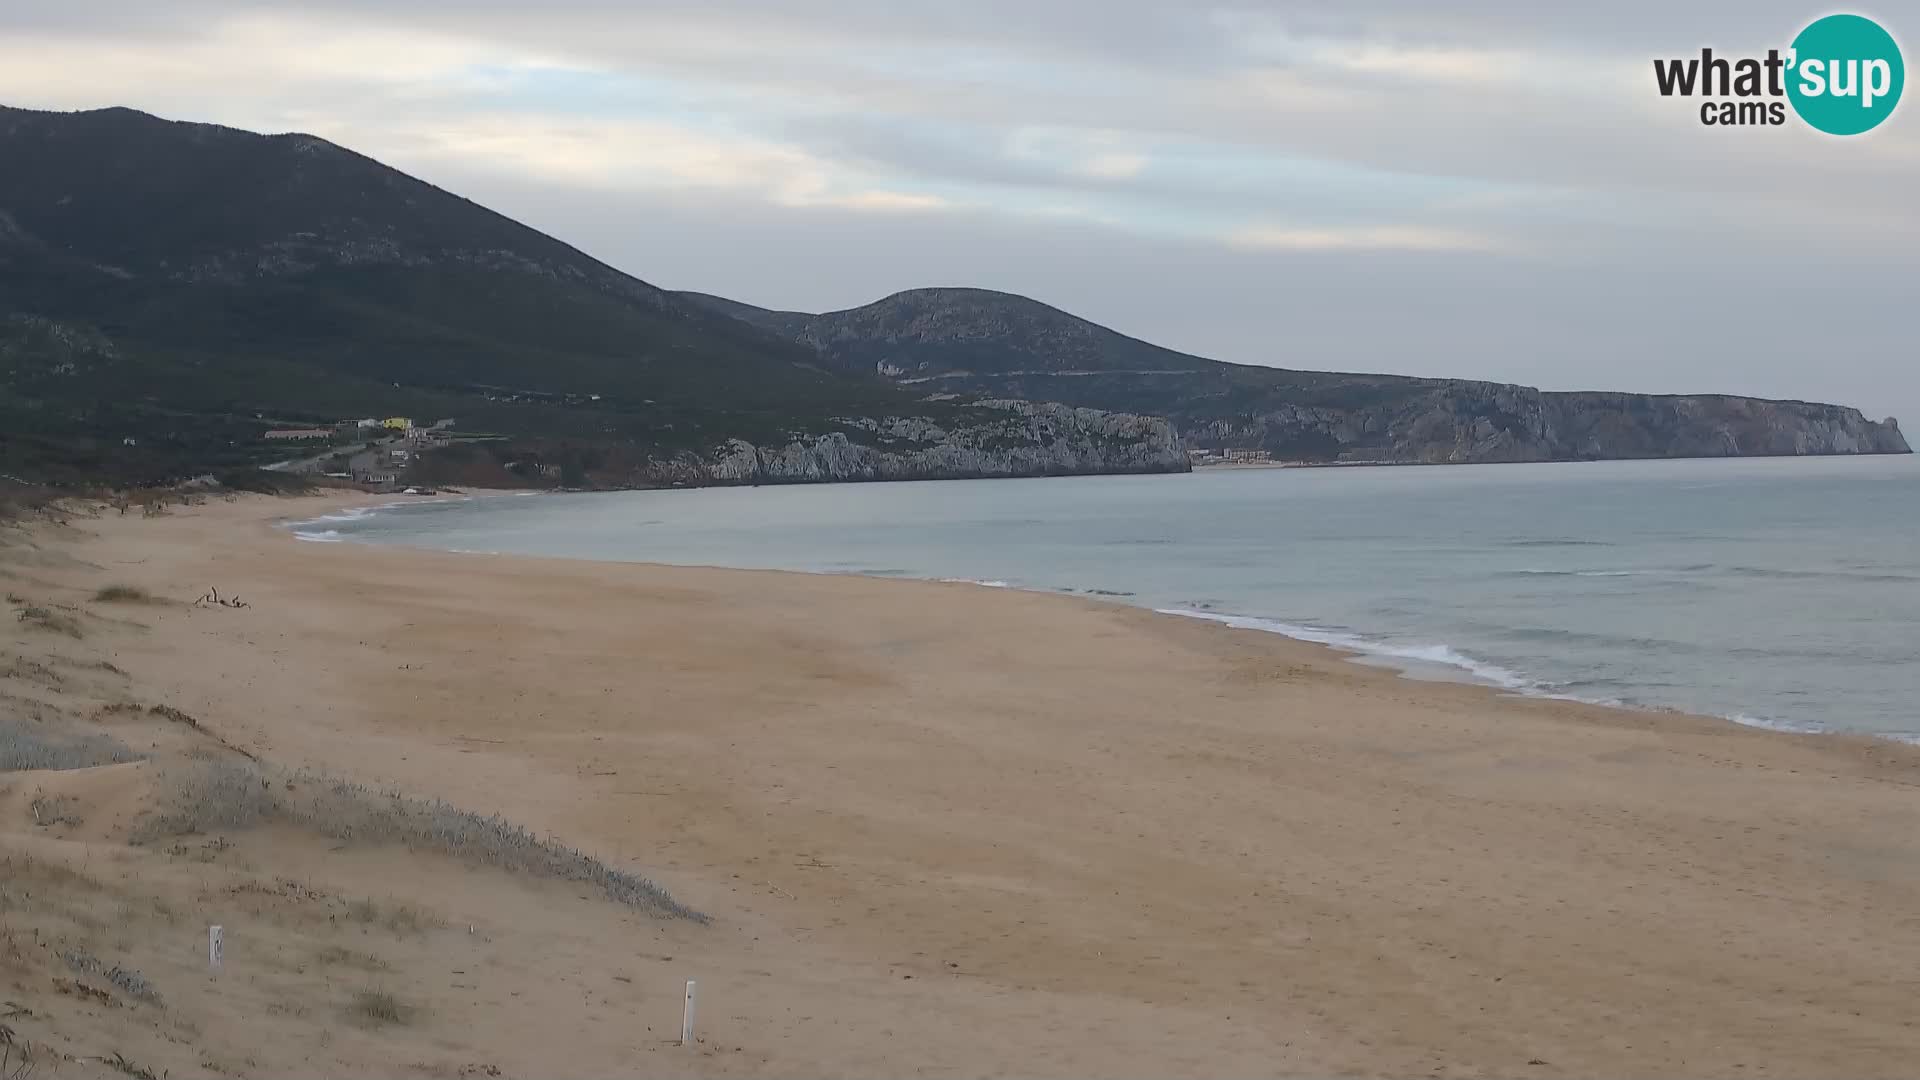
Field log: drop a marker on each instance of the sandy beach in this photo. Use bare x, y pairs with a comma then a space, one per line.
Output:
937, 830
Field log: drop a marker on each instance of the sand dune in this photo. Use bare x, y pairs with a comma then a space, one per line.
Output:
938, 830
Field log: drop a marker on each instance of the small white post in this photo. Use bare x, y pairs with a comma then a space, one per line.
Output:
216, 951
686, 1018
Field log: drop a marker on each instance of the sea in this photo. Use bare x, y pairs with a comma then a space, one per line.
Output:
1776, 592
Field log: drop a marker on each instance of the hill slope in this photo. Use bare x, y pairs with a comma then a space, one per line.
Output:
979, 342
187, 286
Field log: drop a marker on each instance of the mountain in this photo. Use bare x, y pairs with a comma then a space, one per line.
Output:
184, 287
170, 291
973, 341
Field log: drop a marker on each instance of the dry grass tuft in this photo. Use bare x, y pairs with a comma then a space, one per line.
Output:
340, 956
41, 618
379, 1007
396, 916
168, 712
122, 1064
55, 810
12, 957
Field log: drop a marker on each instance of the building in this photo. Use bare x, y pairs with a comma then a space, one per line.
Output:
1245, 456
301, 433
397, 423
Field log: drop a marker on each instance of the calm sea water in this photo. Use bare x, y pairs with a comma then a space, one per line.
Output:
1782, 592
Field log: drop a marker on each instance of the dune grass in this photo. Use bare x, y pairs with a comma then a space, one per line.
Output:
42, 618
126, 980
25, 744
396, 916
54, 810
379, 1007
213, 796
123, 594
331, 956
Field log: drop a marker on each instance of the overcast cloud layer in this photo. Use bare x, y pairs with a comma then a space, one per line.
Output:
1493, 190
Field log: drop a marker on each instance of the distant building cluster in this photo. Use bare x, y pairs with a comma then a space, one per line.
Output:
403, 425
1229, 456
367, 451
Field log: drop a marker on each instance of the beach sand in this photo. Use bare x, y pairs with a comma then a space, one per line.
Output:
939, 830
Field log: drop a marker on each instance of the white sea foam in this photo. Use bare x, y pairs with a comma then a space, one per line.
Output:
353, 513
1441, 655
1788, 726
990, 584
1480, 670
348, 514
304, 530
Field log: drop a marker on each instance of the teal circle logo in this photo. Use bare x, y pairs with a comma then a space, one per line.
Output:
1845, 75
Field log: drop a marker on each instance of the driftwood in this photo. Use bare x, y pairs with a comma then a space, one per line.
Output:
213, 599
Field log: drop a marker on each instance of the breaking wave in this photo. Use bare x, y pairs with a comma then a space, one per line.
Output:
1442, 655
1480, 670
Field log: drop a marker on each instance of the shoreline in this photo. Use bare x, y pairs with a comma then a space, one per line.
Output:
1425, 663
1229, 466
1124, 842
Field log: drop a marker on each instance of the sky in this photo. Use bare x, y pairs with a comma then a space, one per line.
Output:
1481, 189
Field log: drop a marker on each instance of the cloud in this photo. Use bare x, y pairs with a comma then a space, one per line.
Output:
623, 155
888, 201
1113, 165
1361, 238
1239, 140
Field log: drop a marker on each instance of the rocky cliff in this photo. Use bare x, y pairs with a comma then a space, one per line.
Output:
1487, 422
973, 341
992, 438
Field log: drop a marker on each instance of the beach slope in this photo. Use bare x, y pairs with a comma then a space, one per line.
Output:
941, 829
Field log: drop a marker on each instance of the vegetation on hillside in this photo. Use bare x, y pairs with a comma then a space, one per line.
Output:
170, 291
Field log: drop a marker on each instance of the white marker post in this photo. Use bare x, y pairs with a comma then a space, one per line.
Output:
686, 1018
216, 947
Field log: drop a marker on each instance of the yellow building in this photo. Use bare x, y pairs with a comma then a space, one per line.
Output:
397, 423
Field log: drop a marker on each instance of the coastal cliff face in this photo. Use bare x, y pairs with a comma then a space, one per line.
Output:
973, 341
1488, 422
996, 438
